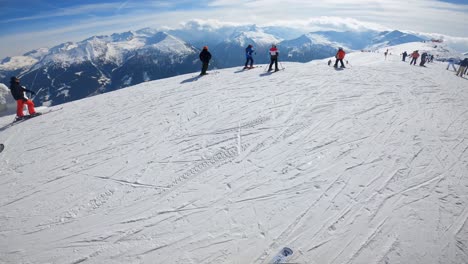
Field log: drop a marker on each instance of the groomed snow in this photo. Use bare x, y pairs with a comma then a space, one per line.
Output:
364, 165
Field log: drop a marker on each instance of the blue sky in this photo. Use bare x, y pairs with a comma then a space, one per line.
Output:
31, 24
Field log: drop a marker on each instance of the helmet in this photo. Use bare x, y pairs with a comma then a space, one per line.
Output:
205, 47
14, 79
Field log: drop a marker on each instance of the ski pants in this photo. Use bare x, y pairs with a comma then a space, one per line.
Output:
413, 61
453, 66
274, 60
336, 63
204, 68
461, 70
20, 105
404, 58
249, 59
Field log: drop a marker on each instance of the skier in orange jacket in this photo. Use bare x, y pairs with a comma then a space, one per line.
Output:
339, 58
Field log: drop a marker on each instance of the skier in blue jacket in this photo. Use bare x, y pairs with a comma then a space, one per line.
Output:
249, 58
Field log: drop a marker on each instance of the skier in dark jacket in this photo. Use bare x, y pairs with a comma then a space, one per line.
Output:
423, 59
463, 66
249, 58
19, 94
205, 57
405, 55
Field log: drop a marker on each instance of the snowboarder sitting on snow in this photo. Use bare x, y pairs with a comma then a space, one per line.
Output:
274, 53
19, 94
414, 56
205, 57
248, 55
339, 58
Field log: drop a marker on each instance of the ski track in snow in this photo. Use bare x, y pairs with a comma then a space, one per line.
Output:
364, 165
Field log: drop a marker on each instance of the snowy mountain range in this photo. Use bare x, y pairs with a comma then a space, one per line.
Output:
362, 165
99, 64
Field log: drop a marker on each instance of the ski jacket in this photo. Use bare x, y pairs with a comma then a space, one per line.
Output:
340, 54
17, 91
274, 52
205, 56
248, 52
415, 55
464, 63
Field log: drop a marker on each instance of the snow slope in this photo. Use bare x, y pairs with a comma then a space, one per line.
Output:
364, 165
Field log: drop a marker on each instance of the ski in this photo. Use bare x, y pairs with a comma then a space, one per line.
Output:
283, 256
250, 68
2, 147
27, 117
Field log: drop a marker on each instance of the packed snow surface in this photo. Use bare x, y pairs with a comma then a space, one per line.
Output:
363, 165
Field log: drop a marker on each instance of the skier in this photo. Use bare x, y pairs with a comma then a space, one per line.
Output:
463, 65
451, 62
205, 57
19, 94
329, 62
339, 58
423, 59
386, 53
249, 58
405, 55
274, 53
414, 56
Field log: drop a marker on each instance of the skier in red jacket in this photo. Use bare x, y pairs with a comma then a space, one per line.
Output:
274, 53
339, 58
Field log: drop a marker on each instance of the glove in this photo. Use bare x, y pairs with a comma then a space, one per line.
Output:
25, 100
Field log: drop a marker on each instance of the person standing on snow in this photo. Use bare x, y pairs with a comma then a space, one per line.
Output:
463, 66
274, 53
405, 55
19, 94
414, 56
205, 57
386, 53
249, 58
339, 58
423, 59
451, 62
